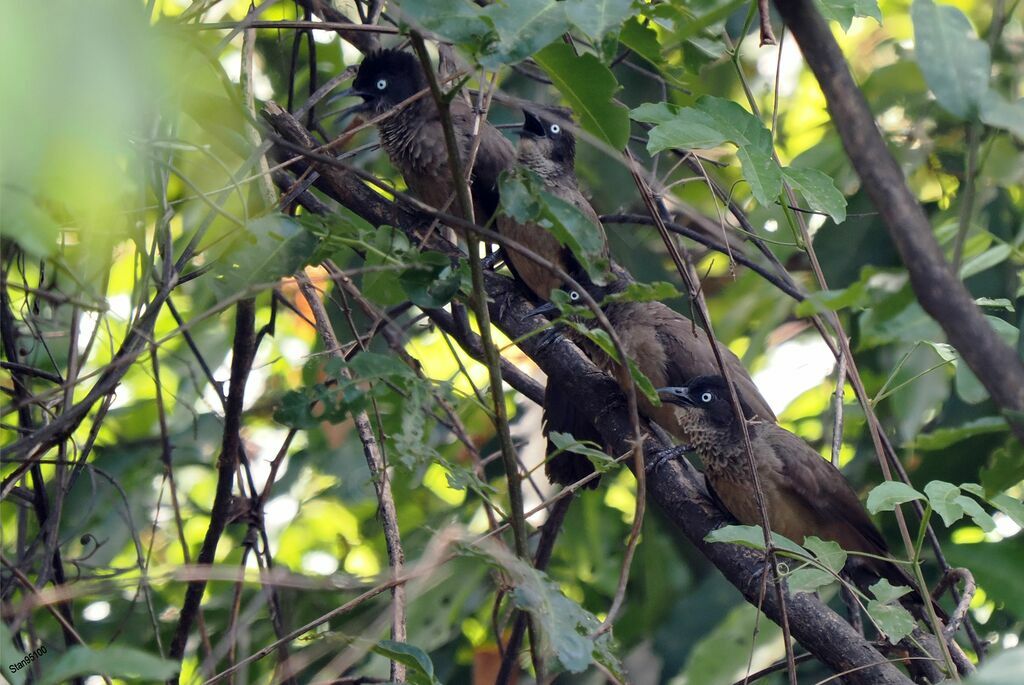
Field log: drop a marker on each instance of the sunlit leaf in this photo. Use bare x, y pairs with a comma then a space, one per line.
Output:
819, 191
843, 11
955, 62
943, 498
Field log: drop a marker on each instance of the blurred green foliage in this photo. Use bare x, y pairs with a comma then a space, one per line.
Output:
125, 141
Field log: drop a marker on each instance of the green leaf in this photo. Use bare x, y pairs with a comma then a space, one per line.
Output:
955, 63
942, 497
116, 662
1002, 669
819, 191
827, 552
269, 248
566, 627
431, 280
884, 591
643, 40
752, 537
589, 86
892, 619
654, 113
809, 579
372, 365
28, 224
1005, 469
523, 27
997, 111
942, 438
993, 256
460, 20
715, 121
833, 300
420, 667
565, 442
975, 511
843, 11
886, 496
643, 383
597, 17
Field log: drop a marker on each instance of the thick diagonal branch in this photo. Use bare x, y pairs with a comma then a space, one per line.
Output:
938, 289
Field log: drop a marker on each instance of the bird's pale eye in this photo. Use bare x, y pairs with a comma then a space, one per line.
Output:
706, 397
573, 296
382, 84
555, 129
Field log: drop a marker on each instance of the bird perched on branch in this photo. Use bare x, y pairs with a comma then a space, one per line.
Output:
804, 494
413, 135
548, 149
667, 347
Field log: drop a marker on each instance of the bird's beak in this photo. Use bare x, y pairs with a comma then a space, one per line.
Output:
543, 310
532, 126
353, 109
680, 396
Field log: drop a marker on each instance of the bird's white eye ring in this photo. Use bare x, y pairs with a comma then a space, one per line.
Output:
382, 84
556, 129
574, 296
706, 397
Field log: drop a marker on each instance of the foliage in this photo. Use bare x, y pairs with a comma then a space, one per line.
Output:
134, 218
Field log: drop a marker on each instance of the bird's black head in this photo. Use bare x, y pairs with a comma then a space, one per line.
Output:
546, 145
707, 394
387, 77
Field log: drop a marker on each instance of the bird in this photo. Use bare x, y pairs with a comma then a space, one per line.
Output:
413, 136
804, 494
666, 347
548, 149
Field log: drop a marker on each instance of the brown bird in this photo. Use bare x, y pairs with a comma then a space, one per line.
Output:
413, 136
667, 347
804, 494
547, 148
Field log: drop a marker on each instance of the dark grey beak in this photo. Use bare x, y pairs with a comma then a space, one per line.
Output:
677, 395
532, 125
543, 310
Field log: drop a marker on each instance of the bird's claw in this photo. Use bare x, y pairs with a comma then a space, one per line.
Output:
667, 455
547, 337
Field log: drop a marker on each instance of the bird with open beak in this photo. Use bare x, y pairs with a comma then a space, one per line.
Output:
413, 135
804, 493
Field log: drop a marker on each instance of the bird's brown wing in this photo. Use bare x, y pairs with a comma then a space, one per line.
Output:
823, 492
540, 280
832, 511
689, 354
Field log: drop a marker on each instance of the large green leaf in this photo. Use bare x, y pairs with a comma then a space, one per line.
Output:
1002, 669
589, 87
523, 27
955, 63
712, 122
597, 17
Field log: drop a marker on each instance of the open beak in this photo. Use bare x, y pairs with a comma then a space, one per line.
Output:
532, 126
543, 310
345, 113
680, 396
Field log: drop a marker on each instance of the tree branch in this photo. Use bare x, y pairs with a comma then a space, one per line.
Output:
938, 289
